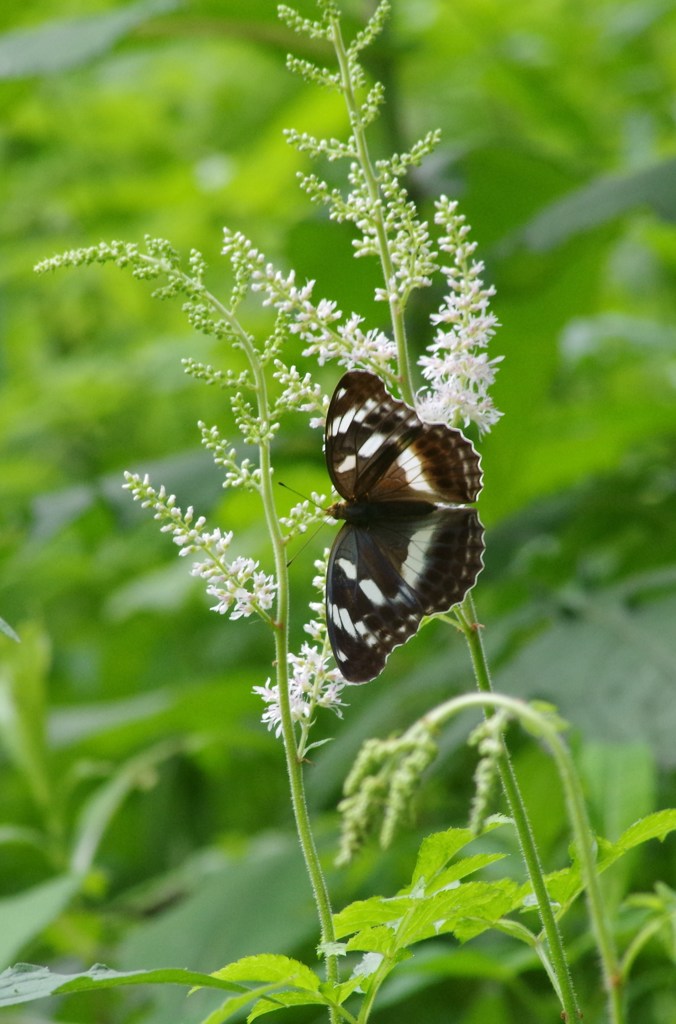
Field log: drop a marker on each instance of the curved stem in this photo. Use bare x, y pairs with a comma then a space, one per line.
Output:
577, 811
472, 632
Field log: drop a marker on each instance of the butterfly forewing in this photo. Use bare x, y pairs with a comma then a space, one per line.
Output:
402, 553
384, 577
378, 449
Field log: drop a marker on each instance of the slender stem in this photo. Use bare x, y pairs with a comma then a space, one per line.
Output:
472, 631
539, 724
376, 210
281, 635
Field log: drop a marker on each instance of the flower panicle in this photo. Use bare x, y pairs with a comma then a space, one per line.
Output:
456, 366
382, 785
317, 325
238, 472
300, 393
239, 587
313, 683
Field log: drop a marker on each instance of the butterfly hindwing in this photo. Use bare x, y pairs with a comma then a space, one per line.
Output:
403, 553
385, 576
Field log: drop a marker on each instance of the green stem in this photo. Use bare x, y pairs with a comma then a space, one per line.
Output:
376, 211
529, 850
281, 635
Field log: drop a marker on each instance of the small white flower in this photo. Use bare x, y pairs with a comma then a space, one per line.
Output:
312, 682
456, 364
239, 586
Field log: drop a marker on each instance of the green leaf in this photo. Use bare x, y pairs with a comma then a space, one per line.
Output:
234, 1004
101, 808
464, 911
465, 866
23, 675
57, 45
436, 850
653, 826
270, 967
26, 982
379, 939
600, 201
24, 915
284, 999
620, 784
274, 970
369, 913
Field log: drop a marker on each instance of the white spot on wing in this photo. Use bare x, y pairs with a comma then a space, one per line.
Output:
334, 612
347, 623
367, 407
413, 566
371, 445
349, 568
347, 465
413, 469
372, 591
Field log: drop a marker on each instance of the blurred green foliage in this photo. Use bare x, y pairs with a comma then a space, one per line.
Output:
130, 742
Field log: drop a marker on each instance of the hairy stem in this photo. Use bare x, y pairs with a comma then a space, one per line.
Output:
281, 635
468, 622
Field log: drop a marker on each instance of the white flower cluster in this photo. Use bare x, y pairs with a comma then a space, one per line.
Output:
239, 587
238, 473
312, 684
317, 325
300, 393
305, 514
457, 366
238, 583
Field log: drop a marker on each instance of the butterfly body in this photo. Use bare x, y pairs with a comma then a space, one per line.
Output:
405, 550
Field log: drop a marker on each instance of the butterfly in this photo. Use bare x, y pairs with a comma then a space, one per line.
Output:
405, 549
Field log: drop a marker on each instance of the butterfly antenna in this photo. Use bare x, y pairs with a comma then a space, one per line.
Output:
299, 494
312, 535
307, 541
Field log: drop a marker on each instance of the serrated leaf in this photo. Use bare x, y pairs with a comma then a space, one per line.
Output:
462, 868
270, 967
464, 911
234, 1004
653, 826
369, 913
337, 994
285, 999
379, 939
563, 885
436, 850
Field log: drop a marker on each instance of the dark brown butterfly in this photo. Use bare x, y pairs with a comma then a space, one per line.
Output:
406, 549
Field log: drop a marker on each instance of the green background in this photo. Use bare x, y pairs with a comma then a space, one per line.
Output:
127, 698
